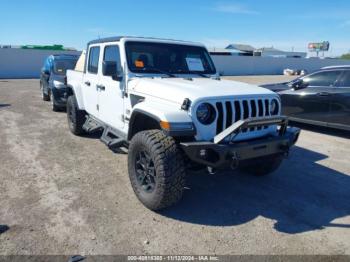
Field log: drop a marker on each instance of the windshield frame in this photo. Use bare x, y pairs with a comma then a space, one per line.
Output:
149, 71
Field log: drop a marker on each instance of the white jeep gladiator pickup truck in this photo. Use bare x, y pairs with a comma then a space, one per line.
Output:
164, 101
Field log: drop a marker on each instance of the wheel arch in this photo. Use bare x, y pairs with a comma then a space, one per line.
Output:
141, 120
71, 90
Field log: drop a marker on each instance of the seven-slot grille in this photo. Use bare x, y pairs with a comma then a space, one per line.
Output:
230, 112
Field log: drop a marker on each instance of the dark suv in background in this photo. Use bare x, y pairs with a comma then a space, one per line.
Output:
321, 98
53, 81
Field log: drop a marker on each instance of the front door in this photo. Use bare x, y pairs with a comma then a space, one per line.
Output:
90, 81
313, 102
111, 99
340, 102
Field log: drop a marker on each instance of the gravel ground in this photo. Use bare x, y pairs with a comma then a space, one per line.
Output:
61, 194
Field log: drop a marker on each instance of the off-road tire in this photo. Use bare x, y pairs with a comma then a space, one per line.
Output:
54, 107
262, 166
169, 169
76, 118
44, 96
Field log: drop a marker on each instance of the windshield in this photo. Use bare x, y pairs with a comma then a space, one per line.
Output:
146, 57
61, 66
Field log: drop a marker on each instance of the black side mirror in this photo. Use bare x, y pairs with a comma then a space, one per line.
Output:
109, 68
299, 84
46, 72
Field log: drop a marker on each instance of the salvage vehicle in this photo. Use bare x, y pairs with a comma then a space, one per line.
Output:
321, 98
53, 80
164, 101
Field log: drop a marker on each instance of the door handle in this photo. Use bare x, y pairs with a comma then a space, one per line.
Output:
87, 83
101, 87
323, 94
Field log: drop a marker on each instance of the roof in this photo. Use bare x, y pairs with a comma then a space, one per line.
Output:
270, 49
336, 67
107, 39
222, 50
118, 38
240, 47
65, 56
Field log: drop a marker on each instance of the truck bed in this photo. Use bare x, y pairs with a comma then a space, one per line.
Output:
75, 81
74, 77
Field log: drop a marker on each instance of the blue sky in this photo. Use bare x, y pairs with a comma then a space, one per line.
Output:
282, 24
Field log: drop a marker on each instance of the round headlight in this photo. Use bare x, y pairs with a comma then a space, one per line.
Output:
206, 113
274, 107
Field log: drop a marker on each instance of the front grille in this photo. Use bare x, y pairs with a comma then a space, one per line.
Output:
230, 112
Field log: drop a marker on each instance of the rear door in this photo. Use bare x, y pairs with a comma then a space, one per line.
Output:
111, 97
90, 81
340, 102
312, 103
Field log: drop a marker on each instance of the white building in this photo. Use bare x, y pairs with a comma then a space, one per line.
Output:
273, 52
248, 50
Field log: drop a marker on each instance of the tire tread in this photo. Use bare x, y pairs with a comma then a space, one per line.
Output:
79, 116
169, 166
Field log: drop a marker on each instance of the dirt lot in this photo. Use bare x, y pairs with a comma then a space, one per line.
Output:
61, 194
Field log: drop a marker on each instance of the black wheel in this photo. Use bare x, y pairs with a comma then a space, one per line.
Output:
54, 107
156, 169
262, 166
45, 97
76, 118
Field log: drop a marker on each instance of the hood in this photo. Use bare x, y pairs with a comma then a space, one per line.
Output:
177, 89
278, 87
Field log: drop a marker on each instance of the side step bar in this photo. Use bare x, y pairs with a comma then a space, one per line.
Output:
91, 126
111, 137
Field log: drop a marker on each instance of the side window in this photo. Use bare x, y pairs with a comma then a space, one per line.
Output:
112, 55
326, 78
94, 56
346, 79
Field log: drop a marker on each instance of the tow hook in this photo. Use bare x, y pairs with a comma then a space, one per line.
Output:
235, 161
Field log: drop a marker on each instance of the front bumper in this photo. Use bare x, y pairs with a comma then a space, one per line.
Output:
218, 155
60, 95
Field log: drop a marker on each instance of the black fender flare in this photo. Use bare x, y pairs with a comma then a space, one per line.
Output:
138, 112
70, 91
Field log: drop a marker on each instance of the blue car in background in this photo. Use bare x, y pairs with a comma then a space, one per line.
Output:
53, 80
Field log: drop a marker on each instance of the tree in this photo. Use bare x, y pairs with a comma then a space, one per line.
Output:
345, 56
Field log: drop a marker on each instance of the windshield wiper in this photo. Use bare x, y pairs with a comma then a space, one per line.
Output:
202, 75
189, 72
158, 71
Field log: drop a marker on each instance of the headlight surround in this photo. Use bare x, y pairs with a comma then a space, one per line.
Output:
206, 113
274, 107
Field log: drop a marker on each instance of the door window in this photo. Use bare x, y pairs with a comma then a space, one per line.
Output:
94, 56
346, 79
326, 78
112, 54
